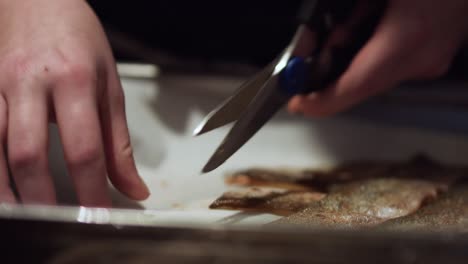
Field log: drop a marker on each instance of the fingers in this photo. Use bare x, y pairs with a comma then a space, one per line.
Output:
408, 44
120, 161
27, 146
376, 68
6, 194
75, 103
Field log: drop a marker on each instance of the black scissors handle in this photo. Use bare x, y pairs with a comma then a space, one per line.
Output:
322, 17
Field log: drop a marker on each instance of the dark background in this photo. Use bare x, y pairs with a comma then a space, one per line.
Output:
239, 31
199, 34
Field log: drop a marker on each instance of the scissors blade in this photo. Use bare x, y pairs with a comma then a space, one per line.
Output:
269, 100
232, 108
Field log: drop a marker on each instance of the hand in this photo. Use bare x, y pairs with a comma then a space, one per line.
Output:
56, 65
415, 40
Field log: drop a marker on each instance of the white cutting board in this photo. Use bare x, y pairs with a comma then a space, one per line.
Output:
162, 114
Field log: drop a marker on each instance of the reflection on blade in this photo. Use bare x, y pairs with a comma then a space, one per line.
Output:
254, 113
233, 107
263, 107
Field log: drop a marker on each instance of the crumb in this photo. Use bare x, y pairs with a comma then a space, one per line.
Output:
164, 184
176, 205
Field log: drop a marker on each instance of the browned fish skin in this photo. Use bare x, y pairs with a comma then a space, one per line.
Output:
250, 179
359, 194
419, 167
365, 203
267, 200
449, 212
289, 179
307, 178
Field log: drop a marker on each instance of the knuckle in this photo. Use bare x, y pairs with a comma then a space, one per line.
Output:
416, 28
436, 71
80, 74
409, 38
84, 155
432, 66
51, 66
25, 155
17, 66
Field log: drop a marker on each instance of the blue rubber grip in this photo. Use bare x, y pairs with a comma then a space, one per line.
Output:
293, 77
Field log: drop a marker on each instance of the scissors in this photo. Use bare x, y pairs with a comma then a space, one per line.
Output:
308, 64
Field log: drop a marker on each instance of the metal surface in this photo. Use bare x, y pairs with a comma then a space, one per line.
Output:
266, 98
260, 111
119, 237
231, 109
68, 243
317, 63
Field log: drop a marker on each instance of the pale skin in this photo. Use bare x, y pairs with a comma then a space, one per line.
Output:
57, 66
415, 40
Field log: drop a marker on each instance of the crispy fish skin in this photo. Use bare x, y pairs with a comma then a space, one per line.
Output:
280, 202
365, 203
306, 179
449, 212
286, 179
358, 194
419, 166
250, 179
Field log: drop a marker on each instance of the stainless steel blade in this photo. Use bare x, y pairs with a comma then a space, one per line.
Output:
263, 107
268, 100
233, 107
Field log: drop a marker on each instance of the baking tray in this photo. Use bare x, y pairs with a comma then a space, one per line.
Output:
34, 241
163, 111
